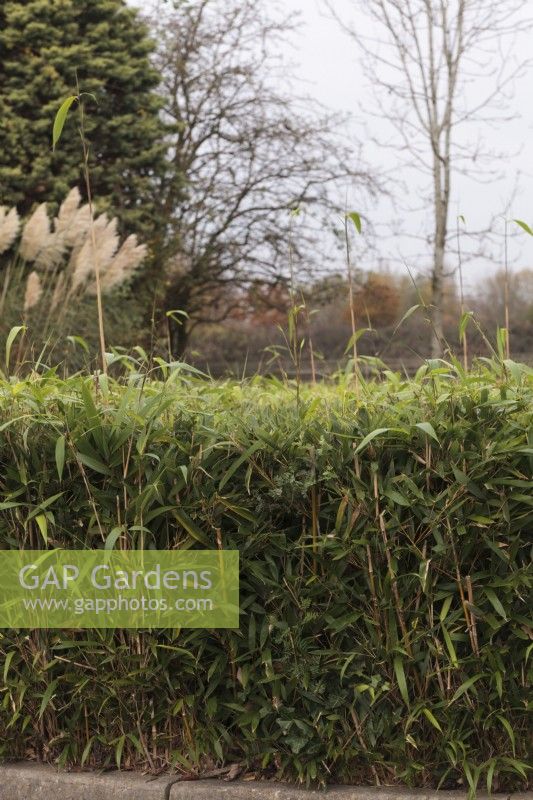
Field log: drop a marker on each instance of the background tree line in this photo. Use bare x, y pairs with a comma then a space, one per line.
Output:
200, 145
253, 335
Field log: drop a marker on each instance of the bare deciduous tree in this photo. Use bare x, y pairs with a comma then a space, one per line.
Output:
243, 152
440, 64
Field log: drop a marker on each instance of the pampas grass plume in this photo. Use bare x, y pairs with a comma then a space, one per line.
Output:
9, 228
33, 292
123, 266
35, 234
53, 252
72, 220
106, 238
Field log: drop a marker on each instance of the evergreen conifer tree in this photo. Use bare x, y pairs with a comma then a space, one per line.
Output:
46, 47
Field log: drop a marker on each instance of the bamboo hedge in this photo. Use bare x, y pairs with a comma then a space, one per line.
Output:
385, 538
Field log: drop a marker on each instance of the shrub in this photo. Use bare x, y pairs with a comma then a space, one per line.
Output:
385, 573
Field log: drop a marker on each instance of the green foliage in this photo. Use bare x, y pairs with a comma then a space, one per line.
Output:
525, 227
385, 572
61, 117
47, 49
356, 219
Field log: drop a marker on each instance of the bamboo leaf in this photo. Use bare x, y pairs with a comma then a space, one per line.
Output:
406, 316
113, 536
60, 119
93, 463
496, 604
47, 697
7, 663
525, 227
449, 645
465, 686
60, 456
356, 220
508, 727
368, 438
237, 463
427, 713
428, 428
191, 527
355, 338
12, 335
119, 747
465, 319
42, 523
400, 677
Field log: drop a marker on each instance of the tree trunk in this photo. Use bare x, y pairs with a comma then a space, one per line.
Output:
437, 293
441, 179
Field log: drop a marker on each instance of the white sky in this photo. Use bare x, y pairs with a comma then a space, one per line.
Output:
327, 62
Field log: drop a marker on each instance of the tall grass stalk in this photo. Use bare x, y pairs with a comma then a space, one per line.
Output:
308, 313
59, 123
506, 290
460, 219
88, 188
295, 345
356, 220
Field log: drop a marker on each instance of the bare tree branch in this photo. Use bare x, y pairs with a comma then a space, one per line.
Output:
425, 57
248, 154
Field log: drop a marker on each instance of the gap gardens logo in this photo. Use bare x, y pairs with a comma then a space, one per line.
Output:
119, 589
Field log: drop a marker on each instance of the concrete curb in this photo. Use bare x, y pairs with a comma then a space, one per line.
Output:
27, 781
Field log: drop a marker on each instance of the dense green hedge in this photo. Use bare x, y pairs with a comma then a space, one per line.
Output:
385, 585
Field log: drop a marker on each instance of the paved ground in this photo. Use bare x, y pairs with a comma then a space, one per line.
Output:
24, 781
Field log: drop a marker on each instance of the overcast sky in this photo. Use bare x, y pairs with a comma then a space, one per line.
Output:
328, 63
